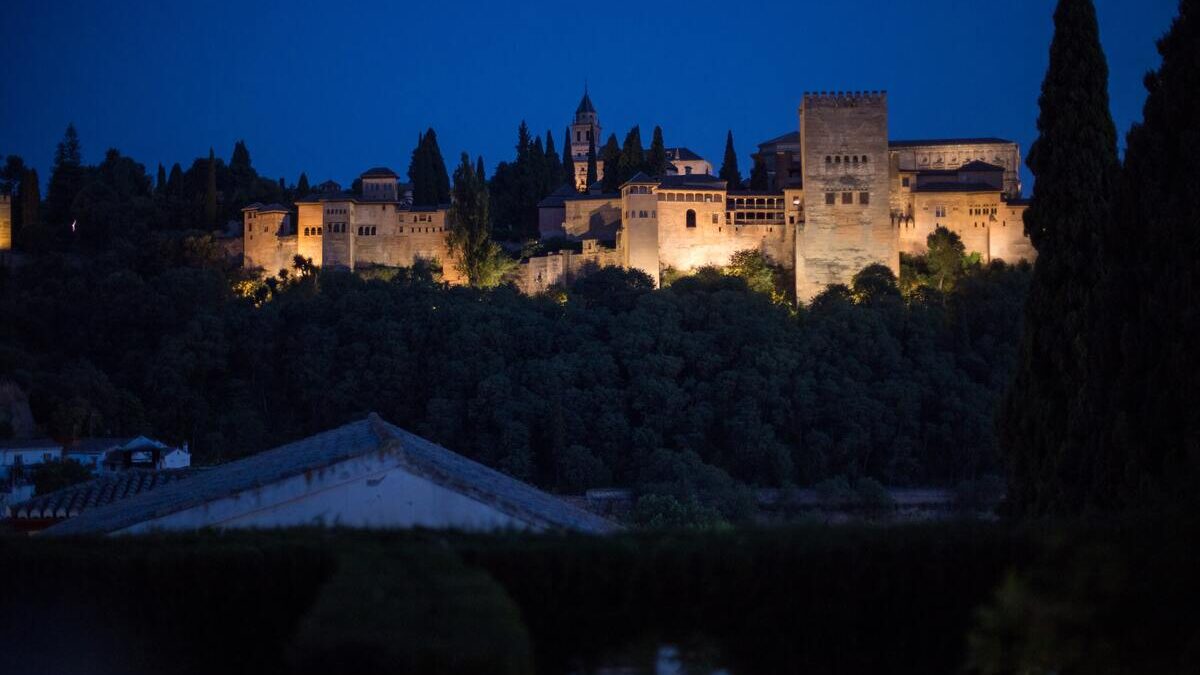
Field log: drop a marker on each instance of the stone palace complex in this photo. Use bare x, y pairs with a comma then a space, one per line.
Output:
841, 196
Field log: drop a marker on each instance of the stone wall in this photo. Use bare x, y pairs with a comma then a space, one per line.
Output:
537, 275
846, 185
268, 245
5, 223
986, 224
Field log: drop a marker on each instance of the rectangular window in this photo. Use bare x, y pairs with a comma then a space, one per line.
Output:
830, 198
714, 219
939, 211
847, 197
864, 198
904, 181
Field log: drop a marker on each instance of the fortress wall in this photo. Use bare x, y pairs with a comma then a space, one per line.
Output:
5, 222
641, 240
840, 238
309, 218
594, 218
1009, 242
266, 244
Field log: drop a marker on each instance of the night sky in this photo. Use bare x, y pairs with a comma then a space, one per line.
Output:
332, 91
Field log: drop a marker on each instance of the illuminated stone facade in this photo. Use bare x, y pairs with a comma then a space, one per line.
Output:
377, 226
5, 222
842, 197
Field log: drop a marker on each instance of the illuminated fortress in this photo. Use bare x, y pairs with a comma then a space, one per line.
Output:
841, 196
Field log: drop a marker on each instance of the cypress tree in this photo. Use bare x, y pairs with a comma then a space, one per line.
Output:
210, 192
479, 258
439, 179
568, 161
656, 158
1046, 417
729, 166
175, 181
479, 169
302, 186
611, 156
1153, 426
633, 158
66, 180
553, 164
160, 181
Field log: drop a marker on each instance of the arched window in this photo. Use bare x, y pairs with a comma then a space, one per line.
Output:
855, 158
360, 230
828, 159
691, 218
319, 230
838, 159
306, 231
864, 159
372, 231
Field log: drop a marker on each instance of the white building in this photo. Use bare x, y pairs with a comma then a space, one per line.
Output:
111, 455
366, 474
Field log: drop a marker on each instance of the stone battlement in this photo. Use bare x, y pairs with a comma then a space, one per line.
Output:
842, 99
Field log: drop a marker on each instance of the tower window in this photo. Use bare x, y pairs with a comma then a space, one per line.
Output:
864, 198
714, 219
847, 197
828, 159
691, 218
830, 198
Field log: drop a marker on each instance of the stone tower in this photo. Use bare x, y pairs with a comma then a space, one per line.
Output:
844, 156
265, 241
5, 222
584, 129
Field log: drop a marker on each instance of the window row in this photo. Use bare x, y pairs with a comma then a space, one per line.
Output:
688, 197
844, 159
754, 203
641, 214
985, 211
312, 231
638, 190
847, 198
366, 231
338, 212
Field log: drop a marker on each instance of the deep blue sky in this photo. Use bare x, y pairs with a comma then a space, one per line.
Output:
333, 90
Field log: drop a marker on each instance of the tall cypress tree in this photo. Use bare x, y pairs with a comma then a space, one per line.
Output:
1046, 417
302, 186
568, 160
611, 156
553, 164
1153, 426
656, 158
478, 257
479, 169
66, 180
160, 181
175, 181
729, 166
633, 157
210, 192
439, 179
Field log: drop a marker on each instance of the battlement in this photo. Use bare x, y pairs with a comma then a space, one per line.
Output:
844, 99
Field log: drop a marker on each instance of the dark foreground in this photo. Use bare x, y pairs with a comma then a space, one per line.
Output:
938, 598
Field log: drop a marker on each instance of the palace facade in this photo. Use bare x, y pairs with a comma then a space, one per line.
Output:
841, 196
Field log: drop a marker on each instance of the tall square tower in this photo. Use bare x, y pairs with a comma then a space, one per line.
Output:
844, 156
